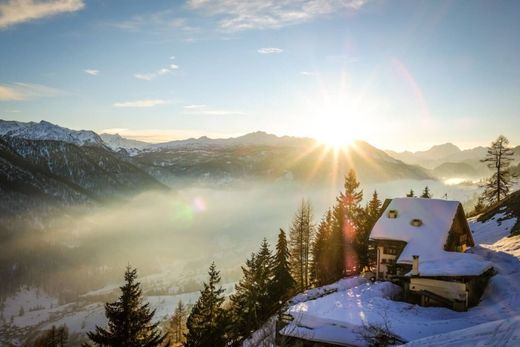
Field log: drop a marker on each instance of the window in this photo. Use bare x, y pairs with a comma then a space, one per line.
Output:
392, 214
390, 250
416, 222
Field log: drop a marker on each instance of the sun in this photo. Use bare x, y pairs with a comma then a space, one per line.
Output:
335, 130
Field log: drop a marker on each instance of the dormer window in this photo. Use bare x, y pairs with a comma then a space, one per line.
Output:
416, 222
392, 214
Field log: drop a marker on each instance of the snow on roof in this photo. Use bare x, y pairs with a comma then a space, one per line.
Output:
453, 264
426, 240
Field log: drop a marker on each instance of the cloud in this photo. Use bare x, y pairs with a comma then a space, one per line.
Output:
13, 12
200, 110
308, 73
270, 50
141, 103
91, 72
194, 106
153, 75
24, 91
236, 15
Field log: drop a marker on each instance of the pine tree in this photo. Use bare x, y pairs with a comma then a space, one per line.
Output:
321, 260
371, 215
245, 304
300, 239
282, 285
264, 278
354, 222
252, 303
129, 320
499, 157
411, 194
207, 322
479, 206
177, 328
54, 337
426, 193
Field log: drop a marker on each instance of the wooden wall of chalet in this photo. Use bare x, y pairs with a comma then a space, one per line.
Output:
459, 234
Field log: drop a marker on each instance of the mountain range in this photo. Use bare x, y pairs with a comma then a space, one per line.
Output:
41, 162
448, 160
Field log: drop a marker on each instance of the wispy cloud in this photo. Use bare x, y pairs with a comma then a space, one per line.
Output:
91, 72
194, 106
13, 12
203, 110
308, 73
141, 103
153, 75
270, 50
24, 91
236, 15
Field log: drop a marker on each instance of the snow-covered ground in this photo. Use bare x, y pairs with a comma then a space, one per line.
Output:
342, 316
32, 310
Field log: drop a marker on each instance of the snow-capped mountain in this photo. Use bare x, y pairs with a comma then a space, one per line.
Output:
258, 138
43, 165
48, 131
117, 142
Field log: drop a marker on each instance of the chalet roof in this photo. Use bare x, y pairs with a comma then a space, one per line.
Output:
426, 240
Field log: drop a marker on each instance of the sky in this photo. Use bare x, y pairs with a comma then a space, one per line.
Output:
398, 74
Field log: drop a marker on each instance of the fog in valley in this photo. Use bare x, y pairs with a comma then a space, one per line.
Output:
171, 237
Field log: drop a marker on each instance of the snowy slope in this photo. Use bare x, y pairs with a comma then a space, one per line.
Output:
116, 142
48, 131
341, 317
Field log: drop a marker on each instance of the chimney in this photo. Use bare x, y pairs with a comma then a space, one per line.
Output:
415, 265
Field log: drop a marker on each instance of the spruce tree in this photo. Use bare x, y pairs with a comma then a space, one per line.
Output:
245, 305
282, 285
177, 327
129, 320
207, 322
321, 259
426, 193
300, 239
54, 337
479, 206
411, 194
354, 222
499, 157
252, 304
371, 214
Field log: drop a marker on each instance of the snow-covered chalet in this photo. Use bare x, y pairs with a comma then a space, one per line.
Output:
421, 245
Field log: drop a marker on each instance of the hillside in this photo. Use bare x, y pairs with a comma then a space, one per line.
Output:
448, 158
507, 210
267, 157
44, 165
343, 312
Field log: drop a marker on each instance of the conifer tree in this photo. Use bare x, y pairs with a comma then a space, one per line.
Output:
252, 303
354, 222
411, 194
129, 320
54, 337
245, 304
499, 157
282, 285
321, 259
371, 214
479, 206
207, 322
177, 328
426, 193
300, 239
